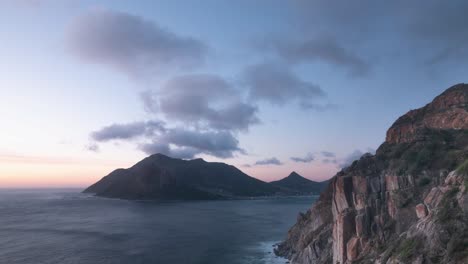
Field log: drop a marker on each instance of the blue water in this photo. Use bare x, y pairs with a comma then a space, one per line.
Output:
65, 226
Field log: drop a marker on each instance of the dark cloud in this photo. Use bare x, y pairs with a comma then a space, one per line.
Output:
278, 85
328, 154
270, 161
443, 25
154, 137
130, 43
202, 100
309, 157
429, 29
127, 131
320, 49
216, 143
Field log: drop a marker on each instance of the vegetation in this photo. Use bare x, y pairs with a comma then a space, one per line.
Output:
463, 168
448, 206
407, 248
424, 181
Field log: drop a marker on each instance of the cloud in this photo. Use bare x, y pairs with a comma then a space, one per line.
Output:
309, 157
203, 100
441, 25
355, 155
320, 49
154, 137
127, 131
93, 147
277, 84
327, 161
184, 143
131, 43
216, 143
270, 161
180, 153
429, 29
328, 154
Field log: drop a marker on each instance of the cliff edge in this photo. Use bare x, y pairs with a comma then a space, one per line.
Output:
407, 203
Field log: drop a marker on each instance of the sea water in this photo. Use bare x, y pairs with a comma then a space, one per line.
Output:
65, 226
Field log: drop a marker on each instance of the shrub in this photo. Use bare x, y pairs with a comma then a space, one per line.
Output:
424, 181
463, 168
448, 206
407, 248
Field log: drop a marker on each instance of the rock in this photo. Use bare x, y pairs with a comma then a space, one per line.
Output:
361, 225
375, 184
352, 249
373, 212
447, 111
342, 193
391, 182
343, 229
421, 210
434, 197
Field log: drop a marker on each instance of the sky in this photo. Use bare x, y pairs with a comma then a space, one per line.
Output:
268, 86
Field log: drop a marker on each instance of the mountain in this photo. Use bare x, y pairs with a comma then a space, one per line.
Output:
162, 177
295, 183
408, 203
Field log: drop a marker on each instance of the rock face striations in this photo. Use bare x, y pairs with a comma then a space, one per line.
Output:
408, 203
295, 183
162, 177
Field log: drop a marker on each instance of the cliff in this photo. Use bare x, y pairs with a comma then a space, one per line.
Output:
405, 204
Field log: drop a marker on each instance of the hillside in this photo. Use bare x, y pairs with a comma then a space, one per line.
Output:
161, 177
408, 203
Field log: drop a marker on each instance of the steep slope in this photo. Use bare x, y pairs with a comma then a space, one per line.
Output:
405, 204
295, 183
162, 177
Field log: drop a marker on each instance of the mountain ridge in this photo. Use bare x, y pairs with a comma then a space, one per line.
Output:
161, 177
296, 182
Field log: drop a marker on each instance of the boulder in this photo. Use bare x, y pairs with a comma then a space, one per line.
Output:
421, 210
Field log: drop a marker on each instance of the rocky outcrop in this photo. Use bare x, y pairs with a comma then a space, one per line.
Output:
446, 111
381, 208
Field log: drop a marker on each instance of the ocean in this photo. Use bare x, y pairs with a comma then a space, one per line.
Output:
67, 227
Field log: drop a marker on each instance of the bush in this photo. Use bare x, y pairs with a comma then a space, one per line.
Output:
424, 181
463, 168
407, 248
448, 206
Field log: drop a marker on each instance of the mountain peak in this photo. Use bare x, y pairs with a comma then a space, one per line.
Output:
294, 174
447, 111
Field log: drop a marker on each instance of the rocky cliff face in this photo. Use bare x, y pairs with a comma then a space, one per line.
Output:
446, 111
405, 204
